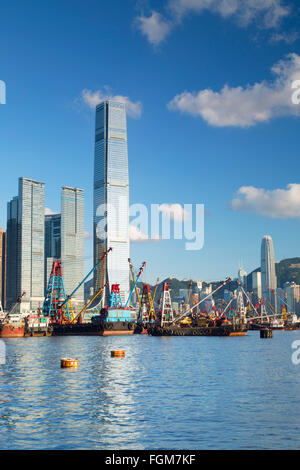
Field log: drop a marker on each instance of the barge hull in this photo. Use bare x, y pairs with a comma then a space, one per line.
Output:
194, 331
93, 329
11, 332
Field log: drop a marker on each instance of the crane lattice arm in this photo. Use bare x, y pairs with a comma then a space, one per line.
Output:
85, 278
189, 294
196, 305
89, 303
133, 278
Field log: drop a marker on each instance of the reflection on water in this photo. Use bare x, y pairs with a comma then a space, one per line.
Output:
168, 393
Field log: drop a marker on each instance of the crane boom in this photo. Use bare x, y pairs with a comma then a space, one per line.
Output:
196, 305
85, 278
133, 278
136, 281
189, 294
155, 290
89, 303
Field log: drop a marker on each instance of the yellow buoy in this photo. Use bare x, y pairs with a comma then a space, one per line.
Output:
118, 353
69, 362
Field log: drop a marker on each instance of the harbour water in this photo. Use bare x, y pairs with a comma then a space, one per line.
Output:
167, 393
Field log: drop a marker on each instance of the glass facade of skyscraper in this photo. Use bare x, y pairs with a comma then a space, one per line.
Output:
3, 268
72, 241
13, 254
52, 242
111, 196
25, 245
268, 274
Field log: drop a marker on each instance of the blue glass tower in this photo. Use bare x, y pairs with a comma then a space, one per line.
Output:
111, 197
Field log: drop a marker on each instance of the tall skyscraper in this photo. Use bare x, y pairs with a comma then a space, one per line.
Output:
242, 275
111, 197
12, 259
72, 241
25, 245
52, 242
2, 268
268, 275
256, 284
53, 236
64, 240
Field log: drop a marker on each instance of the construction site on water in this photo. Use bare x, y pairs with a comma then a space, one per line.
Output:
154, 318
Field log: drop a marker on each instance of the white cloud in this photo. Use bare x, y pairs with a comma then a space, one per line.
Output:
268, 13
155, 27
136, 235
49, 211
288, 38
245, 106
174, 211
92, 98
277, 203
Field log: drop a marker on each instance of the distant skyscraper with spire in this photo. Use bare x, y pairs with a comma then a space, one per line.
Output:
268, 274
242, 276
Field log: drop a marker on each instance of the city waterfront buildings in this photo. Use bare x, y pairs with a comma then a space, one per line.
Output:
292, 291
111, 197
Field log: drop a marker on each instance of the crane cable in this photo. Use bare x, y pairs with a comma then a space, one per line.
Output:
196, 305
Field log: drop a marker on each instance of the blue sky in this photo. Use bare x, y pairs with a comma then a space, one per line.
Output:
190, 140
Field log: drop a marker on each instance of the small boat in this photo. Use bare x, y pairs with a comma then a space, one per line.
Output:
12, 326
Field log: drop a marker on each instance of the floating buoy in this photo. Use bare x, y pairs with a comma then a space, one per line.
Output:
118, 353
69, 362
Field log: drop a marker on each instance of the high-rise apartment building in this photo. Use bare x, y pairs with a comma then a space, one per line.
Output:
268, 275
256, 284
64, 240
25, 245
111, 196
72, 241
292, 292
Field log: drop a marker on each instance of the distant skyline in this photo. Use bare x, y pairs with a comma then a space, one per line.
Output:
210, 117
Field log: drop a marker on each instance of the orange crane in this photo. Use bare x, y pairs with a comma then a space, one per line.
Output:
189, 294
146, 312
82, 312
155, 289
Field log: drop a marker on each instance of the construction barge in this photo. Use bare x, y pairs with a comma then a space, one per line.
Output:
115, 318
228, 330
